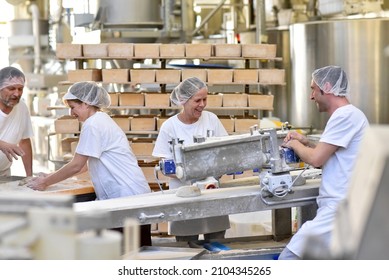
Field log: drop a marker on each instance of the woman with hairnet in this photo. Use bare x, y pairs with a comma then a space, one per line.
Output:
335, 153
15, 122
103, 149
192, 121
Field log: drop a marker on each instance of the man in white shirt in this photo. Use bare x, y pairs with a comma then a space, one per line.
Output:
15, 122
335, 153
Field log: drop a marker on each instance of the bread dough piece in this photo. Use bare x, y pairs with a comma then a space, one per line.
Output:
188, 191
14, 186
24, 181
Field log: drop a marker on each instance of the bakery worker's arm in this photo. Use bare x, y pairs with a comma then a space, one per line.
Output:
25, 145
12, 151
76, 166
315, 155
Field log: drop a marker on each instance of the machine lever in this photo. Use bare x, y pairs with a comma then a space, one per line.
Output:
143, 217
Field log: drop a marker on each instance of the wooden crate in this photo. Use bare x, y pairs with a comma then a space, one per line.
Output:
246, 174
121, 50
82, 75
142, 148
115, 75
143, 123
157, 100
168, 76
148, 171
226, 178
228, 123
198, 73
261, 101
234, 100
259, 50
163, 228
66, 145
95, 50
123, 121
215, 100
246, 76
114, 98
148, 50
242, 125
172, 50
272, 76
228, 50
131, 99
198, 50
66, 124
220, 76
142, 75
160, 121
68, 50
73, 146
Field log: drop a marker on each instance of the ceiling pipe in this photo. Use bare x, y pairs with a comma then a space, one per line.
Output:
33, 8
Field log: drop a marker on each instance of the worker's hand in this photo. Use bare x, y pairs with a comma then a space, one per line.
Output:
12, 151
293, 135
43, 174
37, 183
289, 144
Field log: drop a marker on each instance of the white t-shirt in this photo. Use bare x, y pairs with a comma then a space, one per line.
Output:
345, 129
14, 127
112, 165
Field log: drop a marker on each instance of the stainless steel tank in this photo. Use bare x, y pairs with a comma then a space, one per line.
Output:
358, 46
131, 13
280, 37
20, 27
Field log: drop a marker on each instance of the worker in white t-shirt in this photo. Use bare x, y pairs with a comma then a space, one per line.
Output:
335, 153
15, 122
103, 149
192, 121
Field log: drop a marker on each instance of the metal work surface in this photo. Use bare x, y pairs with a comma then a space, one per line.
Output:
158, 207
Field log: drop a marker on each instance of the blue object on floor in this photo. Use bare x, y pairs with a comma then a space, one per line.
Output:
216, 247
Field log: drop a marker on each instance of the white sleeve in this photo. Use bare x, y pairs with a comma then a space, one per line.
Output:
28, 131
162, 147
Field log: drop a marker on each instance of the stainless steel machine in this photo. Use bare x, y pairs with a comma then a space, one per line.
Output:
217, 156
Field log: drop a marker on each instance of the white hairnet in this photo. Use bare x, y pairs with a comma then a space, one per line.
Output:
10, 76
186, 89
90, 93
331, 79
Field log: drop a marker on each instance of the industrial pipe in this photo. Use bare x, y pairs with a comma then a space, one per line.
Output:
208, 17
33, 8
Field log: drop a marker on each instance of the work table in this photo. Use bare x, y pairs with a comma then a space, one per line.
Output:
77, 186
157, 207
